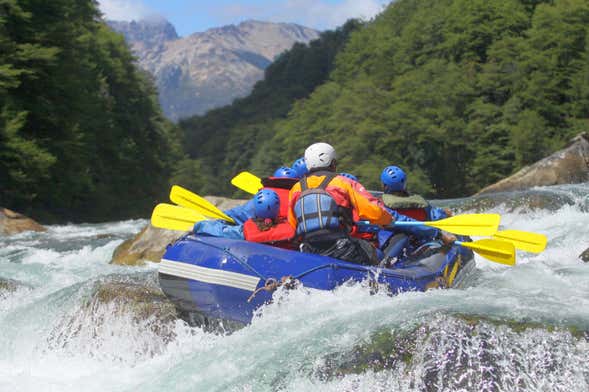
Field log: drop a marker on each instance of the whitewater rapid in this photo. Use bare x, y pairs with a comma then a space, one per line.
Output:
52, 340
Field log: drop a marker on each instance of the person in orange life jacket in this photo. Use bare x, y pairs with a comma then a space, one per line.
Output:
324, 206
268, 226
405, 206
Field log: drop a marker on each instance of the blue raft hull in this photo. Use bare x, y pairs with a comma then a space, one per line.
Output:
216, 277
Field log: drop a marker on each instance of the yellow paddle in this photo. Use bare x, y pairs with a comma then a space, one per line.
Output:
467, 224
530, 242
185, 198
495, 250
247, 182
168, 216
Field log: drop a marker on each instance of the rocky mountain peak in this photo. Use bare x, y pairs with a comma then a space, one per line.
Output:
147, 33
208, 69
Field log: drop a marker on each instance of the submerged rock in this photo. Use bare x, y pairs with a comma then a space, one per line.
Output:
12, 223
567, 166
120, 308
585, 256
9, 286
455, 352
150, 244
528, 200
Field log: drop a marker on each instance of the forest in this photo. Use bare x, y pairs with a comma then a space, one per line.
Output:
82, 137
459, 93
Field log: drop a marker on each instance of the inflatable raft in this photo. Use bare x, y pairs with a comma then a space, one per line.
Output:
226, 279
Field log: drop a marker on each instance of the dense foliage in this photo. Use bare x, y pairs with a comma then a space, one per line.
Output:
81, 134
460, 93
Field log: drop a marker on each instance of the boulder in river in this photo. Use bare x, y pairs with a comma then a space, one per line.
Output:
585, 256
131, 310
447, 352
150, 244
9, 286
12, 223
567, 166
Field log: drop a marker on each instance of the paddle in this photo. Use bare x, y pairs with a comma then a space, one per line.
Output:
495, 250
467, 224
185, 198
530, 242
168, 216
247, 182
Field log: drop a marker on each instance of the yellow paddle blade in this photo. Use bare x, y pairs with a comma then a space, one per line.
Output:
498, 251
185, 198
167, 216
247, 182
469, 224
530, 242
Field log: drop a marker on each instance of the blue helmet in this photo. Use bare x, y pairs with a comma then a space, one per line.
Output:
350, 176
266, 204
285, 172
300, 167
393, 179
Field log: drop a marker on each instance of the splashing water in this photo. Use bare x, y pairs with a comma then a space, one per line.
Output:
510, 329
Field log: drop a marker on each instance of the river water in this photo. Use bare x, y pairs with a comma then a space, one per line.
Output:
509, 329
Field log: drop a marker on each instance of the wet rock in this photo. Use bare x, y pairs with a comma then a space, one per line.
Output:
150, 244
120, 308
12, 223
447, 352
567, 166
9, 286
224, 203
528, 200
585, 256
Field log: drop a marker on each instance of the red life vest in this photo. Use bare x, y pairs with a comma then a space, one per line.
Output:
281, 234
282, 188
419, 214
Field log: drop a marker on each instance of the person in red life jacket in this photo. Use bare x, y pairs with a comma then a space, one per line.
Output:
281, 181
268, 226
324, 206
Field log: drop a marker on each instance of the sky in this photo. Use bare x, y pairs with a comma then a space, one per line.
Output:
189, 16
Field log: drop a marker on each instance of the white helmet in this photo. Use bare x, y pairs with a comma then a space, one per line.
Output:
319, 155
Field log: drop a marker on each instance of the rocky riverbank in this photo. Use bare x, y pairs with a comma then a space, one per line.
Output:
13, 223
567, 166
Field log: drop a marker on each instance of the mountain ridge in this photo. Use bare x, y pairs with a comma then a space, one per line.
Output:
209, 69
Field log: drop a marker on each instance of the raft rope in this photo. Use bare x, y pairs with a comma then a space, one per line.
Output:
272, 284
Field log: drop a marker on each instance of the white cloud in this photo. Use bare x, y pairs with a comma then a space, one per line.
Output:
124, 9
318, 14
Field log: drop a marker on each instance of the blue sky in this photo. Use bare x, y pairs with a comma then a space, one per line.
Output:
192, 16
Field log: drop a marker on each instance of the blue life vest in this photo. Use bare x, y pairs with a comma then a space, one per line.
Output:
316, 209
